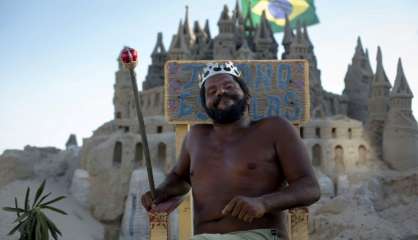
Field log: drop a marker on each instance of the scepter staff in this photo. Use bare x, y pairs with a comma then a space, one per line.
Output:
129, 58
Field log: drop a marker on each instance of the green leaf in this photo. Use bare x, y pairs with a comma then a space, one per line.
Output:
39, 192
31, 231
21, 217
55, 209
53, 233
44, 225
15, 228
27, 199
53, 200
38, 231
53, 226
42, 199
16, 206
10, 209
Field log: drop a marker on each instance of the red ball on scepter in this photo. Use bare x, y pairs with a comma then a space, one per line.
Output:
129, 57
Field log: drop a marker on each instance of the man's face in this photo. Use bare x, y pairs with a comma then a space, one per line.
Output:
225, 101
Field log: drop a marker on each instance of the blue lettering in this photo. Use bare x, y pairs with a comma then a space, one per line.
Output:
283, 75
246, 73
293, 106
183, 109
264, 74
273, 106
202, 116
196, 69
253, 109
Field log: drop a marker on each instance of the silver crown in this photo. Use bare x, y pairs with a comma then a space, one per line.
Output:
212, 69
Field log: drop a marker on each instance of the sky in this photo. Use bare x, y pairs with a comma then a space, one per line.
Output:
58, 58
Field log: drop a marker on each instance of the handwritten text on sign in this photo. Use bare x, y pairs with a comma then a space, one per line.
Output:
278, 88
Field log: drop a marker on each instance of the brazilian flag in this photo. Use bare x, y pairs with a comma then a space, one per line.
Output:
276, 11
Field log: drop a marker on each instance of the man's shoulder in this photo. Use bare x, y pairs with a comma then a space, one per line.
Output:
276, 122
199, 129
278, 127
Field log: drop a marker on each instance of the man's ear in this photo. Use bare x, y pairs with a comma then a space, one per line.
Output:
248, 100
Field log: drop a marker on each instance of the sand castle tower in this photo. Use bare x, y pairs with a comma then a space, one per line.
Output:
378, 105
400, 134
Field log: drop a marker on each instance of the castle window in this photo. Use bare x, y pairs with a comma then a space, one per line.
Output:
162, 154
301, 133
334, 133
148, 101
350, 133
316, 155
117, 154
318, 132
159, 129
365, 79
157, 99
138, 160
126, 129
118, 115
141, 100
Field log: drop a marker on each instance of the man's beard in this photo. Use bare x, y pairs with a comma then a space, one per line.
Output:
230, 114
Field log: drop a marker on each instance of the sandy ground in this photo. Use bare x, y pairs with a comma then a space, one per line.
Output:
77, 225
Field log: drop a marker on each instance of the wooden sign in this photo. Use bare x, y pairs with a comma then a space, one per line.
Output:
278, 88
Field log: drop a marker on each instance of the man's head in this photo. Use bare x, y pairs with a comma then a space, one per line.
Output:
224, 96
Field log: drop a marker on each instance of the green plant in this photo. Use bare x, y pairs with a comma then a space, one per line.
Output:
32, 223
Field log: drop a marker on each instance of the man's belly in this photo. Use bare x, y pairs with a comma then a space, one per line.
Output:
211, 197
216, 181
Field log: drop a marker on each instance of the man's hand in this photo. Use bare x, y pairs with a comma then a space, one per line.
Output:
159, 204
245, 208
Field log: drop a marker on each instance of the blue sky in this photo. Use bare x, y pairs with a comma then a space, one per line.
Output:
58, 58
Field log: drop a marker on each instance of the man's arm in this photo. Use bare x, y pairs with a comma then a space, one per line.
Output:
176, 184
303, 188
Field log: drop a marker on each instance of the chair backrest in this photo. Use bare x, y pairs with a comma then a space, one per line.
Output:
278, 88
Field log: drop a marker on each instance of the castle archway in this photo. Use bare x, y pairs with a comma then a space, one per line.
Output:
339, 158
117, 154
362, 154
138, 160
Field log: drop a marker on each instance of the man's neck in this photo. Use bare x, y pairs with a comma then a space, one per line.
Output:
230, 129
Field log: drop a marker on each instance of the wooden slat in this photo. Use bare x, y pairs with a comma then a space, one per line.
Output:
185, 208
298, 223
158, 226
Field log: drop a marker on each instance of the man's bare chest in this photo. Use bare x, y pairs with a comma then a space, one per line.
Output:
244, 157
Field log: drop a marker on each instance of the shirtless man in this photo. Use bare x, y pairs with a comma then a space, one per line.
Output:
243, 173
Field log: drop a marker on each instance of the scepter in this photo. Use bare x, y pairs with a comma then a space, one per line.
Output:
129, 58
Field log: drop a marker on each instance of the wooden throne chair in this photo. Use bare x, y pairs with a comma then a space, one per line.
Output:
277, 88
